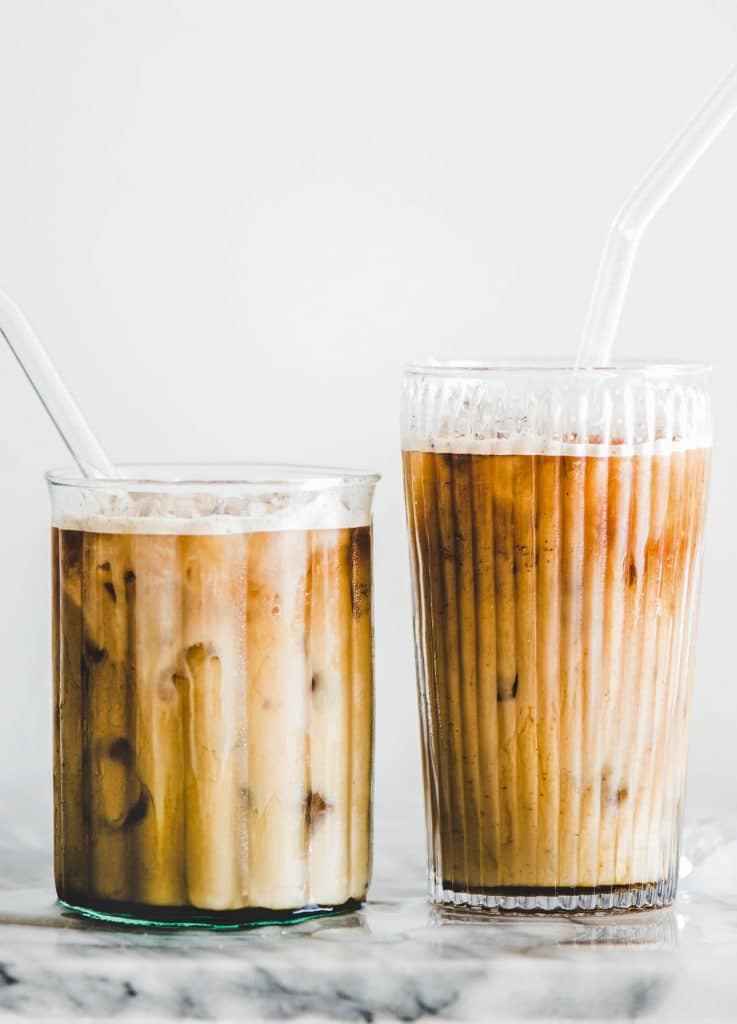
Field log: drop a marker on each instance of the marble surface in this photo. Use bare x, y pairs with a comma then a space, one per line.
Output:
399, 959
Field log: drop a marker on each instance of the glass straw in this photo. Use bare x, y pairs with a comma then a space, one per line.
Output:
629, 225
55, 397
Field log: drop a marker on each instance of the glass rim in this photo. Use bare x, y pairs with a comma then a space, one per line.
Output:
431, 366
189, 476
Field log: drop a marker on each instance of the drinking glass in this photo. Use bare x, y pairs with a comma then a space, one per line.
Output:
213, 692
555, 523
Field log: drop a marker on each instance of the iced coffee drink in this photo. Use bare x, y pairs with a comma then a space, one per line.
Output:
213, 696
556, 530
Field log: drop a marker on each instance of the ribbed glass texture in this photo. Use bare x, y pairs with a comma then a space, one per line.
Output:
555, 525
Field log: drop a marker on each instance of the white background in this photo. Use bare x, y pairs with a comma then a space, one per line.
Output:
232, 222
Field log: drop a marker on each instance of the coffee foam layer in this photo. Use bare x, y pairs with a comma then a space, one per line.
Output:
205, 514
556, 414
522, 446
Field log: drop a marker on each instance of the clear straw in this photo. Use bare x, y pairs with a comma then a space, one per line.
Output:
64, 412
629, 225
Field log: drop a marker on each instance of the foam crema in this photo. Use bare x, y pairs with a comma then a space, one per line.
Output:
195, 514
555, 413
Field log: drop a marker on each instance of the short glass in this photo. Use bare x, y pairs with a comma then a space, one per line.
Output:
555, 522
213, 692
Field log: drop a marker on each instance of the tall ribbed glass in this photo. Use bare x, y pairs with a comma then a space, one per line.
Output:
213, 692
555, 521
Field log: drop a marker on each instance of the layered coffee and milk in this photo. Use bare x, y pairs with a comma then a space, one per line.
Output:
556, 595
213, 710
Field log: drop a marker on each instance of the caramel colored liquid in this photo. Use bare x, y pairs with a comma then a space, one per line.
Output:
555, 609
213, 699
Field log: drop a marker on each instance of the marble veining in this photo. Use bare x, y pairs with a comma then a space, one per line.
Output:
398, 959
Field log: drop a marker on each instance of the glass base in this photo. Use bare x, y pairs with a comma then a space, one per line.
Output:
562, 899
145, 915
